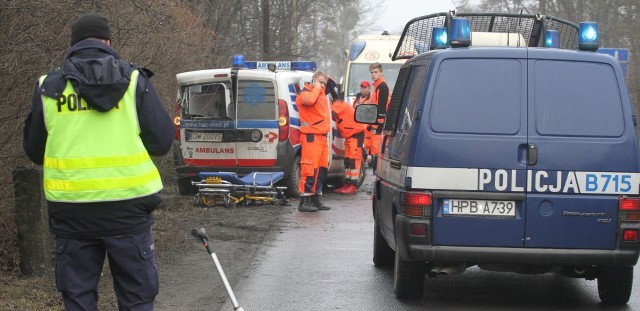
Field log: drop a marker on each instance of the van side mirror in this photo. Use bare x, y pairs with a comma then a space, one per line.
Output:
367, 113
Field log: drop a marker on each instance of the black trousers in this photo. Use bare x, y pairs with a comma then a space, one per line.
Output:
132, 260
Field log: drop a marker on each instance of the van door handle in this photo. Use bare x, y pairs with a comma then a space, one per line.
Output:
532, 155
395, 164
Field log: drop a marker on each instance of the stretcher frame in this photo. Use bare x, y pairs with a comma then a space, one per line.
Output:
227, 189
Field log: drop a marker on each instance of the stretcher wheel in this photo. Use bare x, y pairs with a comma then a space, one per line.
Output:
228, 202
196, 200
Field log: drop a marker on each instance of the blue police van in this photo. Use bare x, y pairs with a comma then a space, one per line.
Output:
513, 153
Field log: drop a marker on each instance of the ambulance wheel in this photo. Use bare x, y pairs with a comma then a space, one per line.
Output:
293, 180
382, 253
614, 284
408, 278
185, 187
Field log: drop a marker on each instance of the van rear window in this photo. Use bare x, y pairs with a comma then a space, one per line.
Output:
478, 97
577, 99
209, 100
257, 100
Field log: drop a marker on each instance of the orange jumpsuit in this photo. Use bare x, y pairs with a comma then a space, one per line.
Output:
381, 97
353, 133
315, 124
367, 133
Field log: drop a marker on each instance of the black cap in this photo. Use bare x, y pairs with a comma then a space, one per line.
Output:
90, 25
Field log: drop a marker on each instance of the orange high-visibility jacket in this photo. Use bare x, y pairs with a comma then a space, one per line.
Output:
313, 108
381, 97
342, 113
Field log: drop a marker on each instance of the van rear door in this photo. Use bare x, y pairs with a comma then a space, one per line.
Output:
580, 125
256, 114
473, 153
207, 126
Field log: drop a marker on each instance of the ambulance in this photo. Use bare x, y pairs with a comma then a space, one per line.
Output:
365, 50
243, 119
519, 156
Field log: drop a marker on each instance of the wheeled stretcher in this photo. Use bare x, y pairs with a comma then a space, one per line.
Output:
228, 189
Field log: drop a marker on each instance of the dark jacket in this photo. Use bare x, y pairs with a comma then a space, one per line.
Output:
100, 77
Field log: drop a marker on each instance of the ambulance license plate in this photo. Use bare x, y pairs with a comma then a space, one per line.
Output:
457, 207
204, 136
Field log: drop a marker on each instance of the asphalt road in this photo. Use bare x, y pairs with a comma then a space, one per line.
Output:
322, 261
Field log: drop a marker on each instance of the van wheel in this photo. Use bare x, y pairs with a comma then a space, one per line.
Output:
383, 255
614, 284
293, 180
408, 278
363, 172
185, 187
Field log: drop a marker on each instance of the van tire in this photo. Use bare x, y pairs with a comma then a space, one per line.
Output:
363, 172
408, 278
185, 187
615, 284
293, 180
383, 255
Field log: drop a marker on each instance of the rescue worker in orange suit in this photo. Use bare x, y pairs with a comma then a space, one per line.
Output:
364, 97
315, 124
353, 132
381, 97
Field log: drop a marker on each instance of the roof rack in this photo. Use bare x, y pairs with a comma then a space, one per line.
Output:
531, 27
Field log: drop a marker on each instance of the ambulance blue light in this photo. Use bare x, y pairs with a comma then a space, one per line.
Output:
439, 38
307, 66
460, 32
238, 60
552, 39
356, 48
588, 39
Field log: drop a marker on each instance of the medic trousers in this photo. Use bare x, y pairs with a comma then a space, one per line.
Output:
353, 158
372, 143
314, 163
132, 260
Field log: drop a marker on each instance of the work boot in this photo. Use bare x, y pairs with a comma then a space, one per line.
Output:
318, 204
306, 205
351, 189
341, 188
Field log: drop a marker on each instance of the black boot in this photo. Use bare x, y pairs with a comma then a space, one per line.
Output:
315, 199
306, 205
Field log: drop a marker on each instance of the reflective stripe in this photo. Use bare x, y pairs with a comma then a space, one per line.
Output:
69, 164
101, 183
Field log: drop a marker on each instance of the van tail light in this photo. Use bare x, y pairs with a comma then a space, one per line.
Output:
629, 209
283, 120
415, 204
629, 204
630, 235
176, 119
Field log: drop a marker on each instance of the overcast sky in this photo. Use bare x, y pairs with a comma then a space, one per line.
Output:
396, 13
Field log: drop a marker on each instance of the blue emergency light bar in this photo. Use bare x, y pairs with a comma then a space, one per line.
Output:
282, 65
356, 48
439, 38
552, 39
588, 38
460, 32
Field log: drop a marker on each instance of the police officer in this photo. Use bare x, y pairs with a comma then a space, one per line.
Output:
93, 124
315, 123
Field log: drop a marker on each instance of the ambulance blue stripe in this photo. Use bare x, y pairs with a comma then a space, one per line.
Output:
294, 121
292, 89
258, 124
209, 125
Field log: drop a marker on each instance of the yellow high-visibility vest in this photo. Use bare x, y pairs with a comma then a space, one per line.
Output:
94, 156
